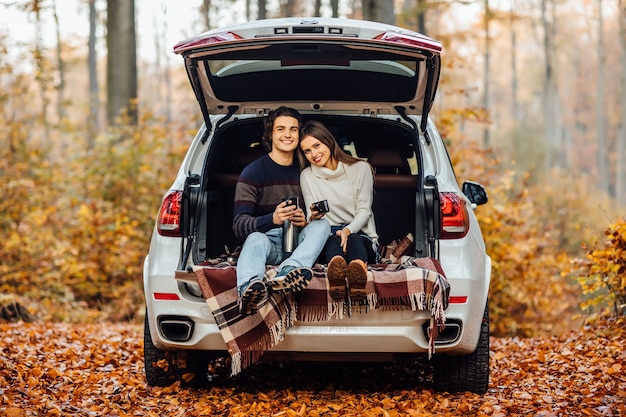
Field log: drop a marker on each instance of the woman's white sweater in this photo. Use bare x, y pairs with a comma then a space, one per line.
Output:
349, 190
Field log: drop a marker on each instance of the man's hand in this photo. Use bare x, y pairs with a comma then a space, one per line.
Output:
298, 218
284, 212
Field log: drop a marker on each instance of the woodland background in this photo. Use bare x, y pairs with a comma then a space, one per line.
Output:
531, 104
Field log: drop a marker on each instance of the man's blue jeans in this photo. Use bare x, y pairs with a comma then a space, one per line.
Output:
262, 249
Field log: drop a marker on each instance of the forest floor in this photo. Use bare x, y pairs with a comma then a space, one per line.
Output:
51, 369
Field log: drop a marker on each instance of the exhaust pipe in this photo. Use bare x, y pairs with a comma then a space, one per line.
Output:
450, 334
176, 329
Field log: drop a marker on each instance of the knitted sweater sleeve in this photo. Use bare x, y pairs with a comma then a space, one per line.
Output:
245, 209
308, 193
363, 181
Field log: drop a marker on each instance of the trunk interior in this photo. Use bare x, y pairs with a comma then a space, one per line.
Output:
390, 147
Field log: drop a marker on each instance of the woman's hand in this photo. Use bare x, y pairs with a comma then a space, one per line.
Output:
343, 234
315, 215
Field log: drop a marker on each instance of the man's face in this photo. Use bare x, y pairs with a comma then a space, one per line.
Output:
285, 134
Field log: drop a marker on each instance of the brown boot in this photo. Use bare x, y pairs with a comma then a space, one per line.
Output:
357, 278
336, 275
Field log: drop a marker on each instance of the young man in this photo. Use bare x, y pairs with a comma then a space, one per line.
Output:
259, 213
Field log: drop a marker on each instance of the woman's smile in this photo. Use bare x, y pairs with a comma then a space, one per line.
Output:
317, 153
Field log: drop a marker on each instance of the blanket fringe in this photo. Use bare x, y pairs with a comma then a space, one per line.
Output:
432, 337
372, 300
426, 290
235, 363
313, 313
336, 309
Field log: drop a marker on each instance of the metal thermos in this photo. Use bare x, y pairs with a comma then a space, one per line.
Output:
290, 233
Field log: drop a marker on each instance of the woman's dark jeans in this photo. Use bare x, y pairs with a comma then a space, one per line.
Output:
359, 247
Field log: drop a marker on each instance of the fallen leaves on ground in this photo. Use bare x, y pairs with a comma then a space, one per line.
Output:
97, 370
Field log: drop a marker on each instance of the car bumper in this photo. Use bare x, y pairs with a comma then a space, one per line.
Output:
374, 331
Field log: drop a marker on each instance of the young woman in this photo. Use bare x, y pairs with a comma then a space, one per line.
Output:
347, 183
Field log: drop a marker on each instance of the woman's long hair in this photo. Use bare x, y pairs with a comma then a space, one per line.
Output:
321, 133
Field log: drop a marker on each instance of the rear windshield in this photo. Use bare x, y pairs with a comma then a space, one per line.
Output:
311, 74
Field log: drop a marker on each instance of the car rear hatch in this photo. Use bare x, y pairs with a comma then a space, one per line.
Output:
313, 64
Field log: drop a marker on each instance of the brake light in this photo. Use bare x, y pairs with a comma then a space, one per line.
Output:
406, 39
457, 299
454, 216
168, 223
165, 296
205, 39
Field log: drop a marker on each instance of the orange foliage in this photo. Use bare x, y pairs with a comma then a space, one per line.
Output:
59, 369
532, 232
604, 276
76, 229
76, 224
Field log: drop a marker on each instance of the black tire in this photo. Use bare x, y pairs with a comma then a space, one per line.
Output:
163, 368
465, 372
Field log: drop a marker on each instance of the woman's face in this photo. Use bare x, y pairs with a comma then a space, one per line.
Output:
317, 153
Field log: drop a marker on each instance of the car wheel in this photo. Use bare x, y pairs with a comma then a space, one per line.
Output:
465, 372
163, 368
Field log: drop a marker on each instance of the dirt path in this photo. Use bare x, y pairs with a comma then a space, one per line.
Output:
97, 370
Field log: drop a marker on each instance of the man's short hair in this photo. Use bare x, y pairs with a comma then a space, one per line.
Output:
268, 123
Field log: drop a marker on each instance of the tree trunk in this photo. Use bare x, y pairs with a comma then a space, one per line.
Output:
421, 16
262, 9
60, 65
620, 171
42, 75
379, 11
93, 120
515, 114
287, 8
334, 5
603, 161
167, 79
121, 61
162, 79
13, 311
486, 73
317, 8
551, 108
205, 9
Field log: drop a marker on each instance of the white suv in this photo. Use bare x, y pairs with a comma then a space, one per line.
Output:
373, 85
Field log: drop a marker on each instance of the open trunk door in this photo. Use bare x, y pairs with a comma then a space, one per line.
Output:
313, 64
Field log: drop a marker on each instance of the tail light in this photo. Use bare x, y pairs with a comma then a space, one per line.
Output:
205, 39
168, 223
417, 40
454, 216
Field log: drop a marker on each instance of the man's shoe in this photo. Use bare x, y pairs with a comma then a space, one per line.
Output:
291, 278
253, 297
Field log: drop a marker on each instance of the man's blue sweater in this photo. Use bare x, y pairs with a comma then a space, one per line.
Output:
262, 185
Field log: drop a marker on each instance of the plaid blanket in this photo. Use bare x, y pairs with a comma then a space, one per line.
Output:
246, 336
415, 284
